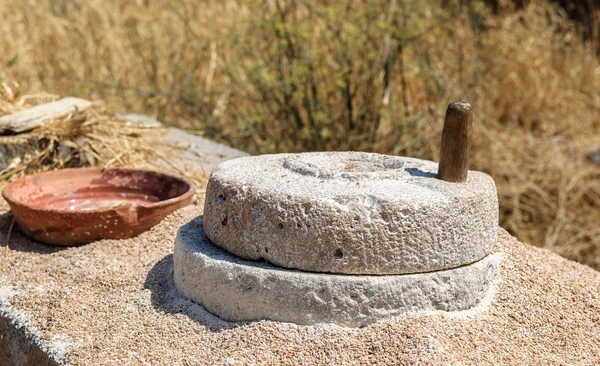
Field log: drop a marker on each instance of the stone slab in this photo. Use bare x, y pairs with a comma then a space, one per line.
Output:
350, 212
201, 154
242, 290
114, 302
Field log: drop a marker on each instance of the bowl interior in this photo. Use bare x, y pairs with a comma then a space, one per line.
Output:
95, 189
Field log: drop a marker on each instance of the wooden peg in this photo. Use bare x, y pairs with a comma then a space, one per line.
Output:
456, 143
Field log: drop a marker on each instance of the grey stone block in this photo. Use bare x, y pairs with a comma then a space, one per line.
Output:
239, 290
201, 154
350, 212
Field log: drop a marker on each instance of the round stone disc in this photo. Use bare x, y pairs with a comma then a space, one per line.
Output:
241, 290
350, 212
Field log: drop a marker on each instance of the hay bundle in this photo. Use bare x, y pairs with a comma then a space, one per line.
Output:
85, 138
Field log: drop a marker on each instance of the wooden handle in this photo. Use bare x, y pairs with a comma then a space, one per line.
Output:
456, 143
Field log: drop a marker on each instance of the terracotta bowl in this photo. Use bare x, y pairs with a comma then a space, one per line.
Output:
77, 206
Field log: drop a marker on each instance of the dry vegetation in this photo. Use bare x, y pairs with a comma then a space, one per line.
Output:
86, 138
373, 75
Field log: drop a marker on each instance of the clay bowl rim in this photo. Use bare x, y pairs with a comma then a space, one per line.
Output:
8, 195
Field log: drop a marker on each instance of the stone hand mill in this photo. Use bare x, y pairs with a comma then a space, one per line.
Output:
343, 237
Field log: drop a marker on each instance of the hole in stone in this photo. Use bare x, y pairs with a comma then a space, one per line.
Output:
280, 227
306, 209
338, 254
221, 198
266, 250
299, 225
224, 222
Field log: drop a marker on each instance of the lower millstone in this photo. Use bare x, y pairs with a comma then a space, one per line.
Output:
242, 290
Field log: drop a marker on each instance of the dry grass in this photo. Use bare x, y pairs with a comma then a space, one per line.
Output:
532, 80
86, 138
539, 120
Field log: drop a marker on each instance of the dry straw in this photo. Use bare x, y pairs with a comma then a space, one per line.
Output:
87, 138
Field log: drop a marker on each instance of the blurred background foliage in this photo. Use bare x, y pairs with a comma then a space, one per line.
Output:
271, 76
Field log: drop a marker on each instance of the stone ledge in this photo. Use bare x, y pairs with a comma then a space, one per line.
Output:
20, 342
202, 154
115, 302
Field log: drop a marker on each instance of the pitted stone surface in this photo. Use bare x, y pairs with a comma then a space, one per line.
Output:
350, 212
241, 290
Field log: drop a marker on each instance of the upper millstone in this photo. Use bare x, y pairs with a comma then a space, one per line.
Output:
350, 212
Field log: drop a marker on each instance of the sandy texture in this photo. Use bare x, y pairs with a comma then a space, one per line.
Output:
112, 302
